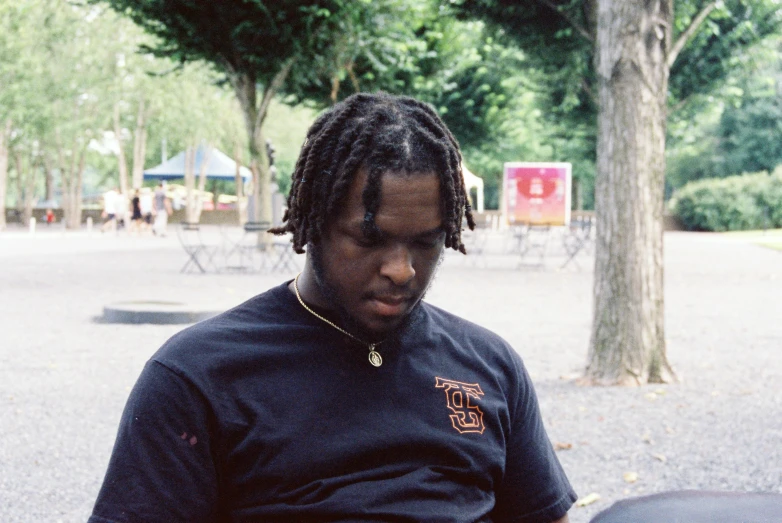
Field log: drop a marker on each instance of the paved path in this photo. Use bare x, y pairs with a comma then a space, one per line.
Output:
64, 378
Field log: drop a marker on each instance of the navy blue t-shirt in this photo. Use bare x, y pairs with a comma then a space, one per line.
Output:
266, 413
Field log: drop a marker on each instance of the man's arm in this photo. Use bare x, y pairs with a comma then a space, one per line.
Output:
534, 484
161, 469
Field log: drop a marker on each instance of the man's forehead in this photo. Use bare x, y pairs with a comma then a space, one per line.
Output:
408, 203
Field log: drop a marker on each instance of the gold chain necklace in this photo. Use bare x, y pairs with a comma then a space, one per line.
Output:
374, 357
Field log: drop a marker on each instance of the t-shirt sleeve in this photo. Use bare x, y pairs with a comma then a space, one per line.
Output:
161, 469
535, 488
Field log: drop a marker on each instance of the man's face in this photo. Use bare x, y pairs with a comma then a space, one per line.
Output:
375, 283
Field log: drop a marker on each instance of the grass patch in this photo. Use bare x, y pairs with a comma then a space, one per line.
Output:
771, 238
771, 244
771, 234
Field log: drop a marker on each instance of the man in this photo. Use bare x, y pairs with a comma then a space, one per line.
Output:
162, 210
340, 395
109, 211
146, 204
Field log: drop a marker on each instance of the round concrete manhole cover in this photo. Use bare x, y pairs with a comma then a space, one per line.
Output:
158, 312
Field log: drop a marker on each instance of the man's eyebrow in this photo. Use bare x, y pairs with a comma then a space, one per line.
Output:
431, 232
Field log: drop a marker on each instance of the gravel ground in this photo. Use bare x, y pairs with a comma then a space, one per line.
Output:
64, 376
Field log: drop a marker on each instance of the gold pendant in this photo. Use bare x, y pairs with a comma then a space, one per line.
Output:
374, 357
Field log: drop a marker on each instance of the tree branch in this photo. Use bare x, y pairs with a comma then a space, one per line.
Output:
687, 34
578, 27
271, 90
588, 90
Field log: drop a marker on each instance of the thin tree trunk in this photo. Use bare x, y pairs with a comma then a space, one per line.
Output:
121, 159
25, 178
190, 154
49, 184
76, 188
207, 155
29, 190
69, 183
239, 181
578, 189
5, 135
254, 116
19, 182
139, 146
627, 344
64, 177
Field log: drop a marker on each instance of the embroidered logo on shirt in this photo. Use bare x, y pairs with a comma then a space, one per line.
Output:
462, 399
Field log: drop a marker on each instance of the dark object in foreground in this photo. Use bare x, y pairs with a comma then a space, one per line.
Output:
696, 506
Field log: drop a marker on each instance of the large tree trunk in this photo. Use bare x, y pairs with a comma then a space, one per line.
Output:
5, 136
259, 203
139, 146
627, 344
254, 115
122, 161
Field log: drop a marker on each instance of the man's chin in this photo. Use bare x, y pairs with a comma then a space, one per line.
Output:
381, 327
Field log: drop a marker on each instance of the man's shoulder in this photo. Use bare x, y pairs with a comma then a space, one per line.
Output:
459, 326
227, 334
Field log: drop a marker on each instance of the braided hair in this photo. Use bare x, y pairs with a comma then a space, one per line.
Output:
382, 133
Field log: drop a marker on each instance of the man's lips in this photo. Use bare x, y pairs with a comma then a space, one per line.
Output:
389, 305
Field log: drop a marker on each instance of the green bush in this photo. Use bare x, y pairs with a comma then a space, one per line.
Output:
735, 203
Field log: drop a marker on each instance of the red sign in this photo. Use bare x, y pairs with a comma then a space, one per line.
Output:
537, 193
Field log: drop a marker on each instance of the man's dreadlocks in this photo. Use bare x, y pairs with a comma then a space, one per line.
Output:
382, 133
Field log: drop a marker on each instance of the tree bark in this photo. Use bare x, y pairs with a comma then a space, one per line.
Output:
240, 205
254, 115
139, 146
5, 136
29, 190
207, 155
122, 161
49, 185
190, 154
25, 186
77, 179
627, 344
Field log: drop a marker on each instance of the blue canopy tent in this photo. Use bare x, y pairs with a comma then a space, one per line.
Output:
220, 166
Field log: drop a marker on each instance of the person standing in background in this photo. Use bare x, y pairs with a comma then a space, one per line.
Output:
146, 207
109, 211
136, 217
121, 204
162, 210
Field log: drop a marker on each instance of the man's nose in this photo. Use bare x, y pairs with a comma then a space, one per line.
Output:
398, 265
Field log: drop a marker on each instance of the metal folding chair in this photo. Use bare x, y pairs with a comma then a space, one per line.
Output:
577, 238
533, 239
475, 243
246, 253
285, 257
200, 255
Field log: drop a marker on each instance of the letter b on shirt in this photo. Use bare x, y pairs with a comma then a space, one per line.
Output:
462, 399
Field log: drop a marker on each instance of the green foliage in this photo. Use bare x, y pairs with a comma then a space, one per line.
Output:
716, 48
473, 81
751, 135
235, 37
735, 129
743, 202
557, 39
